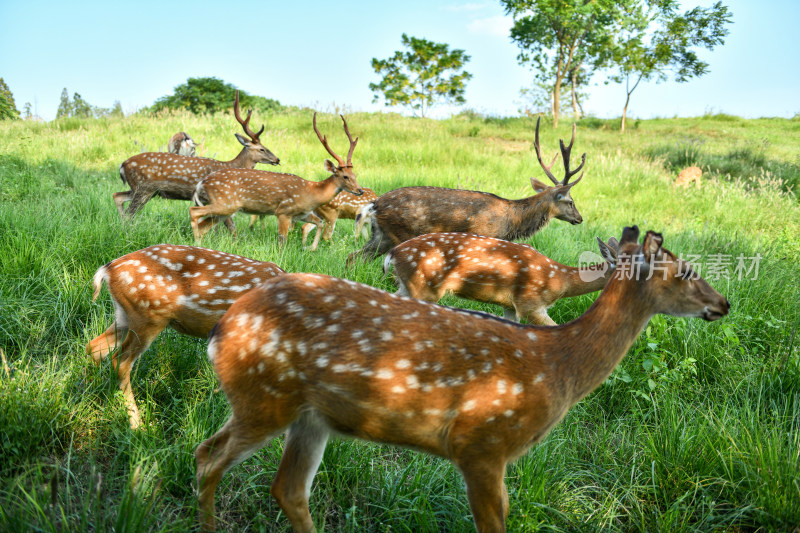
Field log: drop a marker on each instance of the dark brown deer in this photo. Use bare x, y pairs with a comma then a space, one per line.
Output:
286, 196
513, 275
183, 287
175, 176
407, 212
311, 355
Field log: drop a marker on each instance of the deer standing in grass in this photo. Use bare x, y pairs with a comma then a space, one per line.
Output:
314, 355
184, 287
175, 176
286, 196
344, 205
515, 276
408, 212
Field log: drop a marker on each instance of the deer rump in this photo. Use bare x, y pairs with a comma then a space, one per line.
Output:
409, 212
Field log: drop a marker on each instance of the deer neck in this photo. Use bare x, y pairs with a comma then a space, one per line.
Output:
243, 160
527, 216
594, 344
324, 191
586, 279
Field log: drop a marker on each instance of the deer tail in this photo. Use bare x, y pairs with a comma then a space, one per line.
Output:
97, 281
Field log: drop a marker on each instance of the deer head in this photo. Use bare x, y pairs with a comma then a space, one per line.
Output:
562, 204
343, 172
253, 145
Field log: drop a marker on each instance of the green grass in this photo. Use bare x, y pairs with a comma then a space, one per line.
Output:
697, 430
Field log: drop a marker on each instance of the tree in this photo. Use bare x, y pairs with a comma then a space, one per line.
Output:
27, 109
80, 107
64, 105
428, 72
656, 40
558, 37
211, 95
8, 108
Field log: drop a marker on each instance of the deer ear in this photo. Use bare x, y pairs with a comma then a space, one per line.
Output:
242, 139
652, 244
538, 186
613, 243
608, 253
630, 235
330, 167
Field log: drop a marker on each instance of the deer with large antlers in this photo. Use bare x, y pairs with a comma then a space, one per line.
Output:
183, 287
312, 355
175, 176
513, 275
407, 212
286, 196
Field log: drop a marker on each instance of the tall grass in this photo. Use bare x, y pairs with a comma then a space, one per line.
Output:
697, 430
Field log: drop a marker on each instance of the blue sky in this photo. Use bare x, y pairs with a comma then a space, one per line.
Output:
318, 54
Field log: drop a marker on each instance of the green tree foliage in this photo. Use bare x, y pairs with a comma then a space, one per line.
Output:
8, 108
656, 40
212, 95
558, 37
64, 105
424, 74
80, 107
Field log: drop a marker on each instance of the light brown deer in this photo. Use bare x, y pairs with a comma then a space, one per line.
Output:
182, 144
175, 176
286, 196
344, 205
314, 355
515, 276
407, 212
184, 287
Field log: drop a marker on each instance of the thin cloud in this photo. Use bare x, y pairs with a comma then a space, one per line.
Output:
497, 26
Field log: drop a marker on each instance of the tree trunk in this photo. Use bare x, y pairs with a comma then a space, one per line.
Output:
556, 101
574, 95
625, 113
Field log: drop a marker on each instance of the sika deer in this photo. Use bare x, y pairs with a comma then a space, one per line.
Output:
286, 196
175, 176
182, 144
314, 355
184, 287
517, 277
408, 212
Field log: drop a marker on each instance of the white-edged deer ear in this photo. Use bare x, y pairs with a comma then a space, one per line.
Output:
613, 243
652, 244
608, 253
330, 167
242, 139
538, 186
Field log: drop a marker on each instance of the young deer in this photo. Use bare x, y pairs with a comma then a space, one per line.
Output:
184, 287
517, 277
286, 196
313, 355
175, 176
344, 205
182, 144
407, 212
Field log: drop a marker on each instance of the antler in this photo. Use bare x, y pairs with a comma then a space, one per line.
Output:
352, 143
565, 155
324, 140
246, 122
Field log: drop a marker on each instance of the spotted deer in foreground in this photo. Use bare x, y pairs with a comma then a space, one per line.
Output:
311, 355
175, 176
183, 287
286, 196
408, 212
515, 276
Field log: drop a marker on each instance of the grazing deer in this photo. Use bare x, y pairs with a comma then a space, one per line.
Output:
182, 144
314, 355
184, 287
407, 212
286, 196
344, 205
688, 176
175, 176
517, 277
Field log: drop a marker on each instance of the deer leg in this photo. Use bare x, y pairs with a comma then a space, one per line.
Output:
537, 316
136, 341
119, 199
138, 199
253, 220
302, 454
235, 442
307, 228
230, 225
284, 223
201, 227
375, 247
487, 494
103, 344
510, 314
316, 221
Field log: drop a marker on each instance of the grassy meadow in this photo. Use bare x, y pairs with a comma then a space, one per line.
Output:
697, 430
